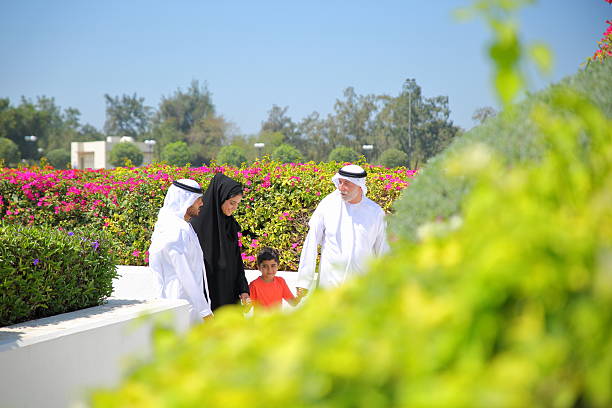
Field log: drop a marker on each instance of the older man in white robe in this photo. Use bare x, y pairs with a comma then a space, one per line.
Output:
175, 254
350, 229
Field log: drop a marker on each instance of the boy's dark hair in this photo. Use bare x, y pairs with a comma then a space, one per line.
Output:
267, 254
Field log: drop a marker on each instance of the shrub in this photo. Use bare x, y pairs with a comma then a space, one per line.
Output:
45, 271
343, 154
176, 154
9, 151
511, 308
231, 155
124, 151
58, 158
393, 158
287, 154
279, 199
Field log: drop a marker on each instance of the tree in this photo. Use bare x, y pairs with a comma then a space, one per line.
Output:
206, 138
184, 109
287, 154
482, 114
231, 155
416, 125
125, 151
354, 120
176, 154
393, 158
278, 122
9, 152
343, 154
313, 138
89, 133
126, 116
58, 158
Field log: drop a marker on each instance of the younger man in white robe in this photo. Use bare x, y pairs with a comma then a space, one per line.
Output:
175, 254
350, 229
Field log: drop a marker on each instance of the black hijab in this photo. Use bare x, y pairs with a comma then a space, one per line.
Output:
218, 236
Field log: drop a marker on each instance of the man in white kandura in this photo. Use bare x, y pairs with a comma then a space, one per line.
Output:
350, 229
175, 254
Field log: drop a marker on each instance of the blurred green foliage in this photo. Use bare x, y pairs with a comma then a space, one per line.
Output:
343, 154
287, 154
231, 155
508, 304
176, 154
58, 158
46, 271
9, 151
393, 158
126, 152
511, 309
512, 134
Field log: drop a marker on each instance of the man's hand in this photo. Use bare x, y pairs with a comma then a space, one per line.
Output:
301, 292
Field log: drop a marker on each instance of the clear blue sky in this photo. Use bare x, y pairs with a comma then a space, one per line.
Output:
253, 54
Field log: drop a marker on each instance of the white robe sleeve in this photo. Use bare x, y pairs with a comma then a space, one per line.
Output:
308, 257
190, 287
381, 245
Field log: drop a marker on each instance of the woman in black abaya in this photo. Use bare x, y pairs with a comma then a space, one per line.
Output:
218, 234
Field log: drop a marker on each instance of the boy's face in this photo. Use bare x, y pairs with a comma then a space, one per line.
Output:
268, 269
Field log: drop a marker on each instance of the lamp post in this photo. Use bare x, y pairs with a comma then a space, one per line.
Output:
32, 139
259, 146
367, 148
151, 144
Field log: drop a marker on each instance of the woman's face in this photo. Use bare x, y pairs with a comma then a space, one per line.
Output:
231, 204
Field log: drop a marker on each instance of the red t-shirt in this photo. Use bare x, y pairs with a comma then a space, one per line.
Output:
269, 294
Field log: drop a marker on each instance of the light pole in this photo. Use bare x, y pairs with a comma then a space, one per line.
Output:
367, 148
151, 144
30, 138
259, 146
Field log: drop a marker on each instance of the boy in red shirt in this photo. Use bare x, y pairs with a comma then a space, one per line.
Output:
269, 290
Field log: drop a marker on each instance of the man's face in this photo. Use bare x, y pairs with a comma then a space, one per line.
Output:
349, 191
230, 205
194, 209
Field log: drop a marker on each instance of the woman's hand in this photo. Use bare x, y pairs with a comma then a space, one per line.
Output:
245, 299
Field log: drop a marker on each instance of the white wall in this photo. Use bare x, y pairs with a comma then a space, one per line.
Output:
138, 282
51, 362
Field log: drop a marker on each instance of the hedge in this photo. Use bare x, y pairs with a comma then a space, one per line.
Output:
510, 307
46, 271
279, 199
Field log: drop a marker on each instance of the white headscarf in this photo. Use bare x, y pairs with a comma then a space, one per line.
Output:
178, 200
353, 173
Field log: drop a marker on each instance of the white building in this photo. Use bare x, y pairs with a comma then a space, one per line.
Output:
96, 155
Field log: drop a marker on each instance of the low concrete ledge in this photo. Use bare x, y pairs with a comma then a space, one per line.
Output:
138, 282
52, 362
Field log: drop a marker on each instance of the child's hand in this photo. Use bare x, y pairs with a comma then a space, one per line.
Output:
301, 292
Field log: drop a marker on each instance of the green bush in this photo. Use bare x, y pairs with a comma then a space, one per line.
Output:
231, 155
123, 152
287, 154
176, 154
510, 307
9, 151
512, 135
393, 158
58, 158
279, 199
45, 271
343, 154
